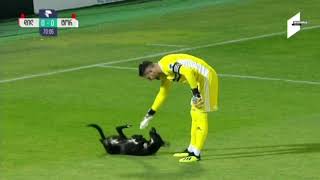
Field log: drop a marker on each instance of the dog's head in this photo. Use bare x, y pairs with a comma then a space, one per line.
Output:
155, 137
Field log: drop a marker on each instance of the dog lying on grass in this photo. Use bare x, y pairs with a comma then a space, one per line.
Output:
135, 145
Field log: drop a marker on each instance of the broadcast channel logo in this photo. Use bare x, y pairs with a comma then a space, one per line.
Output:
48, 22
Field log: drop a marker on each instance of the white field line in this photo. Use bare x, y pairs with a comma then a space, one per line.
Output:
148, 56
119, 67
236, 76
165, 45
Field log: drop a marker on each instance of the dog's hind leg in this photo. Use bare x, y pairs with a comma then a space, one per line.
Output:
120, 132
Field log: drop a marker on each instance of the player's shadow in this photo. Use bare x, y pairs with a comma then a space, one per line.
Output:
256, 151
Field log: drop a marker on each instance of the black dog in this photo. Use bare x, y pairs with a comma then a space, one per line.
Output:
136, 145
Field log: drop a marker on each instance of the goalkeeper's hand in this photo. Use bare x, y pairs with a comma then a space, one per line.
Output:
147, 118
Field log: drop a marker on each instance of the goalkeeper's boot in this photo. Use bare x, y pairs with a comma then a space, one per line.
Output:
184, 153
191, 158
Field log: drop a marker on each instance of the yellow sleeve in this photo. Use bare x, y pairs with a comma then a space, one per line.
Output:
189, 74
162, 94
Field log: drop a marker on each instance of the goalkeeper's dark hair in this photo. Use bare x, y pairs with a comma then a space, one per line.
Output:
143, 66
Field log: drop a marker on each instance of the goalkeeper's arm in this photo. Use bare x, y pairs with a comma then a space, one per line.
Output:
160, 98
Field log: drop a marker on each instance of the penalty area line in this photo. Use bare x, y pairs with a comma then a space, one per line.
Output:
236, 76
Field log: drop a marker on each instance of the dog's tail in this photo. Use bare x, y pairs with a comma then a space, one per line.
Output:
97, 127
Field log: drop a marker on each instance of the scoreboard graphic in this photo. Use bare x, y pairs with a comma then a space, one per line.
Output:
48, 22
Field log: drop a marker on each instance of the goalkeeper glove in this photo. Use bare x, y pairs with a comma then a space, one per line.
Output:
145, 122
196, 99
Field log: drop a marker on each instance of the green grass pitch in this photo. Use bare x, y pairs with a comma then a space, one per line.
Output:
267, 126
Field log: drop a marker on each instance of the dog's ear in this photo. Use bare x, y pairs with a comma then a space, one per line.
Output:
153, 130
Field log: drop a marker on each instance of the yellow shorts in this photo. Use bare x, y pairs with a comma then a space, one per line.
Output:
208, 87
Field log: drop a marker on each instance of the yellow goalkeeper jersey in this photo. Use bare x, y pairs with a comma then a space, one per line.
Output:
189, 69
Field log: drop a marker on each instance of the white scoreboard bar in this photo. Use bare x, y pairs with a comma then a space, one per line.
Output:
68, 23
29, 22
61, 22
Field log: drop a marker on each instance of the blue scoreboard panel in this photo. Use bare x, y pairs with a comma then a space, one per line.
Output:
48, 22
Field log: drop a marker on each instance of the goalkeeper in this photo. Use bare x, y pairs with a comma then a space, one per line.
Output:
203, 82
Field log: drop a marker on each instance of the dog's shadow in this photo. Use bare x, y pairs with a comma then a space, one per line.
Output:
256, 151
149, 169
153, 171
